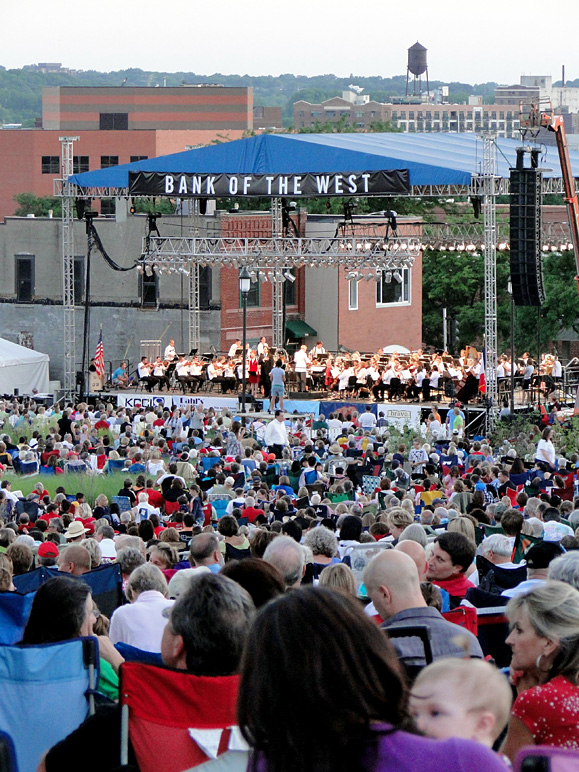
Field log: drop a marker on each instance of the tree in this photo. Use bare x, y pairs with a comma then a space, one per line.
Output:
455, 281
39, 206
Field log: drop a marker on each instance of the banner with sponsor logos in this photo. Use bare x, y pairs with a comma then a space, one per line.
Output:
178, 400
391, 182
401, 415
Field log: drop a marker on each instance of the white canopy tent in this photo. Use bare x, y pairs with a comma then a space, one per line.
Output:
23, 369
396, 350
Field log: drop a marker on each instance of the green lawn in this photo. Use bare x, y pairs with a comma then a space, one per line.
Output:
91, 485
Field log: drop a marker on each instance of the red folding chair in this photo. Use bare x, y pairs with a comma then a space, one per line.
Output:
463, 616
176, 720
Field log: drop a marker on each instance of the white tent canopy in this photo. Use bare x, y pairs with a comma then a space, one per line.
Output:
396, 350
23, 369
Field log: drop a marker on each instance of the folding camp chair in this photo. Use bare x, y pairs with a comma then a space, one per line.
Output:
37, 680
369, 484
124, 503
105, 583
219, 502
359, 555
14, 612
177, 721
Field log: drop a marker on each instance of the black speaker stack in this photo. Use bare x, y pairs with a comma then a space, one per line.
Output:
525, 232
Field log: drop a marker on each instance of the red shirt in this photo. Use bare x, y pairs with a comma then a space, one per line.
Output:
155, 498
251, 513
551, 712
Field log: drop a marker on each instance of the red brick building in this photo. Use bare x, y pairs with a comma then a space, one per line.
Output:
259, 305
108, 108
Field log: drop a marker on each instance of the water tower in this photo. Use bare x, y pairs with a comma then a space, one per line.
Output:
417, 66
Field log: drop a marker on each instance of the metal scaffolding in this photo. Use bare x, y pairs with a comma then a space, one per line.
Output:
277, 281
490, 258
194, 315
67, 150
349, 252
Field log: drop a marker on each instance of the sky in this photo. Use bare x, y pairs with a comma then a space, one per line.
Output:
467, 41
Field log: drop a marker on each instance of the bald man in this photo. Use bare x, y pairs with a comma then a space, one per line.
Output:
74, 559
418, 554
392, 582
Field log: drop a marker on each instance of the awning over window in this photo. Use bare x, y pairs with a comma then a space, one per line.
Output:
297, 328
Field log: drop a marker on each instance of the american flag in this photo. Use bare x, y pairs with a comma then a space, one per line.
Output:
99, 357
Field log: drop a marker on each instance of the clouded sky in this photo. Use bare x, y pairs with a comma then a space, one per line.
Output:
468, 41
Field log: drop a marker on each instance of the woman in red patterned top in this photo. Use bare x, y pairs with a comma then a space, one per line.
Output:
544, 638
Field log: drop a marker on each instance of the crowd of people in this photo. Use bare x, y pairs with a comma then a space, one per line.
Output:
245, 550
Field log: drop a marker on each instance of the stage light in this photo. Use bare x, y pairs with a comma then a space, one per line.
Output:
398, 276
388, 277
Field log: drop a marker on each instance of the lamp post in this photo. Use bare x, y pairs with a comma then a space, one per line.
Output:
244, 287
510, 291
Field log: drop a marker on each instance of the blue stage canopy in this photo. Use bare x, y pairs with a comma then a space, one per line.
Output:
429, 159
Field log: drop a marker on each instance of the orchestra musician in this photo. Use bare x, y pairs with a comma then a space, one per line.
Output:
234, 349
170, 353
301, 362
144, 369
317, 350
159, 374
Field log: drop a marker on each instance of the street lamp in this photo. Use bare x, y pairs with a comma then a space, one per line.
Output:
244, 287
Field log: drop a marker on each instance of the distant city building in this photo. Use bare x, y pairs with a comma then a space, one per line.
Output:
265, 118
409, 115
124, 108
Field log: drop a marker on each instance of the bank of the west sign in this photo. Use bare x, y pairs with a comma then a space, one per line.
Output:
392, 182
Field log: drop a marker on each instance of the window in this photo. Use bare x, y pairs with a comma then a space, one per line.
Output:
109, 160
253, 298
148, 289
114, 121
78, 290
290, 288
24, 278
135, 158
411, 115
353, 295
394, 287
108, 206
80, 164
50, 164
204, 286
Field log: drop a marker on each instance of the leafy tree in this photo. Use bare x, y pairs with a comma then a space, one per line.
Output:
159, 205
39, 206
455, 281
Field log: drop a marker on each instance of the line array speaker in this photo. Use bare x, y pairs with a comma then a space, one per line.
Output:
525, 238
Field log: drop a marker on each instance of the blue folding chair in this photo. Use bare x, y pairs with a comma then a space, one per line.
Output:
208, 461
105, 583
14, 613
124, 503
115, 465
37, 680
133, 654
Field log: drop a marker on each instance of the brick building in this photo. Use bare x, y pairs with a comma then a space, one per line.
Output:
364, 315
125, 108
259, 301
